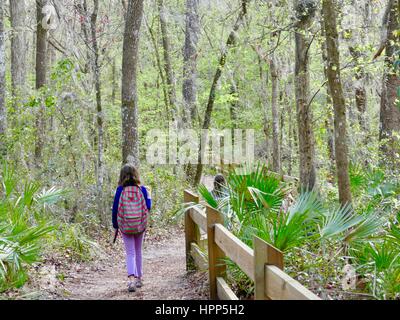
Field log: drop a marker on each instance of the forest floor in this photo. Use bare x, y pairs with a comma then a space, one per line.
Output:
104, 278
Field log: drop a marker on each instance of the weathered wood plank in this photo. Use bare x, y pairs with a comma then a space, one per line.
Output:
280, 286
215, 254
191, 230
189, 196
235, 249
264, 254
199, 257
199, 217
224, 292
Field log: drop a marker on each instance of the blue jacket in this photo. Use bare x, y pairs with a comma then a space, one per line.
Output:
116, 203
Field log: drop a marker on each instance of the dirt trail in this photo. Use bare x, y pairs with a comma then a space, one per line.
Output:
164, 269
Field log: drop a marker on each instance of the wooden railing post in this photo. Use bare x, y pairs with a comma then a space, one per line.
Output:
264, 254
191, 229
216, 267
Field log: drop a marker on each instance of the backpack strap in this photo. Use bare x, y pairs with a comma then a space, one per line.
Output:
143, 190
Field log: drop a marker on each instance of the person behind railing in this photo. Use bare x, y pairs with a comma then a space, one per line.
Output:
220, 190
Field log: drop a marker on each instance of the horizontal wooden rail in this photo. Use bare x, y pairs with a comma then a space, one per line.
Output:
235, 249
192, 234
199, 217
199, 257
280, 286
263, 264
223, 290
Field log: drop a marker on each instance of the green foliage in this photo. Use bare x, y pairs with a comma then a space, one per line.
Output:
238, 280
19, 247
166, 195
257, 205
207, 196
259, 189
336, 222
72, 240
282, 232
21, 231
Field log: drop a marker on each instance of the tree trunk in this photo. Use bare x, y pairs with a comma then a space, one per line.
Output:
329, 121
390, 107
99, 109
339, 103
41, 72
83, 11
276, 155
233, 106
167, 61
41, 47
305, 15
18, 50
355, 41
329, 124
125, 5
160, 70
282, 133
3, 110
189, 87
213, 90
264, 104
129, 108
360, 91
290, 132
114, 81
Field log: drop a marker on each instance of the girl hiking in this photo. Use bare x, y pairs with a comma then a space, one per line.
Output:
132, 204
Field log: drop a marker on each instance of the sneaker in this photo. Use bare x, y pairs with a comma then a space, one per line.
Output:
138, 283
131, 286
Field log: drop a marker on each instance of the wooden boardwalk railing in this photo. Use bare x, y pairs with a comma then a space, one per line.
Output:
263, 265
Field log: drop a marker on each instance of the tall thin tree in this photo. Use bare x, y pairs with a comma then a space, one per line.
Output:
276, 155
190, 114
3, 111
41, 72
99, 108
189, 87
170, 77
305, 12
390, 106
18, 50
338, 99
213, 91
129, 109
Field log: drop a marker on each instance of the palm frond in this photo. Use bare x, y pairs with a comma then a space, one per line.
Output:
337, 221
369, 225
177, 214
8, 180
394, 234
266, 200
358, 178
51, 196
383, 256
34, 233
30, 190
308, 204
207, 196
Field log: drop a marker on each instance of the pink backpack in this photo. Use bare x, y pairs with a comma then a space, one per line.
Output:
132, 211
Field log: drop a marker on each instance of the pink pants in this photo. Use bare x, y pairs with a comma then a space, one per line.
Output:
133, 250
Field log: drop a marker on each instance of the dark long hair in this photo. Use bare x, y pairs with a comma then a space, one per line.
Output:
219, 182
129, 175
